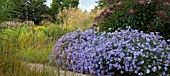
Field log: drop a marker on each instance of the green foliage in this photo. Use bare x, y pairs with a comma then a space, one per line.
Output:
32, 38
12, 65
54, 31
30, 43
10, 38
103, 3
145, 16
35, 55
2, 13
33, 10
1, 39
58, 5
36, 9
21, 10
24, 44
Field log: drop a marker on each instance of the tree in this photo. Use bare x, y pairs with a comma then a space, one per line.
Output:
58, 5
36, 8
2, 7
22, 10
17, 9
102, 3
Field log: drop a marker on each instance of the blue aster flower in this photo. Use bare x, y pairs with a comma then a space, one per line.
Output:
154, 69
142, 62
147, 71
140, 74
90, 51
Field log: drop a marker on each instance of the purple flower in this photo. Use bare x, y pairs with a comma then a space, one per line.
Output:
165, 68
100, 53
169, 55
147, 71
121, 72
159, 67
140, 74
154, 69
142, 62
136, 71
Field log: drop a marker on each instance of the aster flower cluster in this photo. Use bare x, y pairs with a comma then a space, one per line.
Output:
101, 53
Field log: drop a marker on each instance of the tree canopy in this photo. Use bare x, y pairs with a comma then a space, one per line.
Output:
2, 15
23, 10
33, 10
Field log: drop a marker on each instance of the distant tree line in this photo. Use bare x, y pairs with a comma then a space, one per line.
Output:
33, 10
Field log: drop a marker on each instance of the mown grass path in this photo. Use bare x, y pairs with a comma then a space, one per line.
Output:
54, 70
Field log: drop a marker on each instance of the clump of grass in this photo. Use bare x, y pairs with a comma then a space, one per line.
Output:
12, 65
41, 56
17, 47
75, 18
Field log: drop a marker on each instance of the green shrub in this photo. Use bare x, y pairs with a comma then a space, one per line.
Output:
144, 15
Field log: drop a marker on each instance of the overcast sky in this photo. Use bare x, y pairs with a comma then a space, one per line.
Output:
84, 4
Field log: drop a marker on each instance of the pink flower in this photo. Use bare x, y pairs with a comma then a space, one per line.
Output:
130, 11
121, 3
140, 2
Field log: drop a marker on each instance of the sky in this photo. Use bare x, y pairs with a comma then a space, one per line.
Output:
83, 4
48, 2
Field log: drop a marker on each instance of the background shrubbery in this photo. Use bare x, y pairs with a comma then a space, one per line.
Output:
144, 15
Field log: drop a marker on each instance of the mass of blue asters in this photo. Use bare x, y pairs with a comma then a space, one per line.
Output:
123, 51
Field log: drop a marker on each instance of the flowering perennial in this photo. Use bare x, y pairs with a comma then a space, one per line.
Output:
101, 53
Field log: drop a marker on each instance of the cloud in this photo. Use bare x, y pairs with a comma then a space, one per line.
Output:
49, 2
87, 5
83, 4
90, 7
